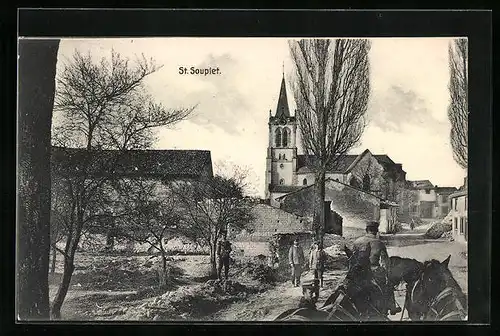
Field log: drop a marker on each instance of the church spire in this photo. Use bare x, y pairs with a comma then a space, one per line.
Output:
282, 107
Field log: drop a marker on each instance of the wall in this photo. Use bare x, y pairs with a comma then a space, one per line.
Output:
423, 196
355, 206
368, 165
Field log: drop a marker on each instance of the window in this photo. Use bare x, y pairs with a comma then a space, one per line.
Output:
304, 182
282, 181
286, 136
427, 191
461, 225
284, 157
281, 165
444, 198
455, 206
366, 183
278, 137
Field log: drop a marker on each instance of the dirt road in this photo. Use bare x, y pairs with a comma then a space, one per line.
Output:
266, 306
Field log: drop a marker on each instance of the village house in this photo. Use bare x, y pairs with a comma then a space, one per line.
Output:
429, 201
442, 206
154, 165
458, 204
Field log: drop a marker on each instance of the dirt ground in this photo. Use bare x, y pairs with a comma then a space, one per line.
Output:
119, 287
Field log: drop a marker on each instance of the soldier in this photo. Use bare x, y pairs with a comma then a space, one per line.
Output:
317, 258
223, 253
379, 261
296, 260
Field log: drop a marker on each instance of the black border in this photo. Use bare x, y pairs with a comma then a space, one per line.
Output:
476, 25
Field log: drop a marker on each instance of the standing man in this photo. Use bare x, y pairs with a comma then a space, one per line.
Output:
379, 261
223, 253
317, 262
296, 260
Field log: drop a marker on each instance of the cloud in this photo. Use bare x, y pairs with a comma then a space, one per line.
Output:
220, 102
397, 108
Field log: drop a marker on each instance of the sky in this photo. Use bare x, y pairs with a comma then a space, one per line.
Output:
407, 111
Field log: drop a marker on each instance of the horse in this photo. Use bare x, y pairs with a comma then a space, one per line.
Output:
436, 296
358, 298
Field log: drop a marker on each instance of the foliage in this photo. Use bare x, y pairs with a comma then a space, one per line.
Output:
99, 106
331, 88
209, 207
458, 110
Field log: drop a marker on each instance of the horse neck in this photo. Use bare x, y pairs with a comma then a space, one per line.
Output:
451, 282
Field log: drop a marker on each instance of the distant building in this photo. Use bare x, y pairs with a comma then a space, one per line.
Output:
429, 201
458, 204
442, 206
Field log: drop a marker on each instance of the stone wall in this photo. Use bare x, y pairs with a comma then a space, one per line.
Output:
355, 206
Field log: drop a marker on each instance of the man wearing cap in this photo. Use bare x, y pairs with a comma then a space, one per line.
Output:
379, 261
296, 260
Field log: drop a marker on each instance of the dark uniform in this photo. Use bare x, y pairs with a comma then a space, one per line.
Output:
223, 252
379, 261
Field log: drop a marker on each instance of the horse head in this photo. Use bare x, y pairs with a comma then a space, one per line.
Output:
434, 276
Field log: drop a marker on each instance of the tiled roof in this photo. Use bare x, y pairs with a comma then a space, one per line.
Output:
284, 188
421, 184
158, 163
340, 167
445, 189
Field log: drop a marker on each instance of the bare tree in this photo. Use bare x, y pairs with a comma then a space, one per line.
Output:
458, 110
103, 110
37, 71
147, 217
211, 206
331, 88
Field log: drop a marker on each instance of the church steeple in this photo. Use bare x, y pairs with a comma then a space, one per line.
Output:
282, 107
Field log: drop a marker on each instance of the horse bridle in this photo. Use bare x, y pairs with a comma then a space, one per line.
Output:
443, 294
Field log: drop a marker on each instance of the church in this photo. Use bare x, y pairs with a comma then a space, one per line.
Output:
287, 171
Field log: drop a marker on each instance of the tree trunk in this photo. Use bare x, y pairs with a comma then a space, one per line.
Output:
319, 206
54, 259
69, 267
37, 70
213, 260
163, 276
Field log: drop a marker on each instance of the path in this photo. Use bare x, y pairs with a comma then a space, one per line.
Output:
266, 306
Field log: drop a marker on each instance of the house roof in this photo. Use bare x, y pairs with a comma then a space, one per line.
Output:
421, 184
445, 189
152, 163
299, 189
284, 188
458, 194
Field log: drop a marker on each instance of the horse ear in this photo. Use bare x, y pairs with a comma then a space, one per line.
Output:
446, 261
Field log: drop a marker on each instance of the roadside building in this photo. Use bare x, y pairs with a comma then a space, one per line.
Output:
458, 204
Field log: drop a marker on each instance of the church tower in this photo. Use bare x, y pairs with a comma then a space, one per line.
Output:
281, 161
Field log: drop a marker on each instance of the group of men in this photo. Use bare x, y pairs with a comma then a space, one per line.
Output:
316, 261
369, 243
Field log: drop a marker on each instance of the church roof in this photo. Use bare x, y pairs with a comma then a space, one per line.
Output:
145, 163
340, 167
282, 109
